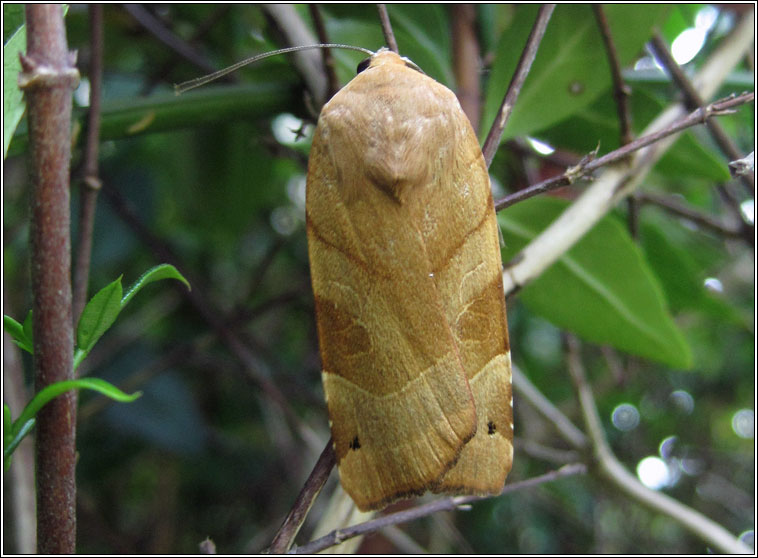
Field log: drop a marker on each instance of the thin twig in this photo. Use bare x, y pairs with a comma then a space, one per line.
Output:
307, 62
672, 205
621, 90
517, 81
207, 24
588, 165
48, 78
614, 472
389, 36
288, 531
693, 100
466, 60
444, 504
326, 53
542, 404
91, 180
167, 36
616, 182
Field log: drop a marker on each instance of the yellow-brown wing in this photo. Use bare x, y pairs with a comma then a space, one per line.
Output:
399, 402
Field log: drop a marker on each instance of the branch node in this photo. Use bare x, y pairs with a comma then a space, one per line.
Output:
35, 75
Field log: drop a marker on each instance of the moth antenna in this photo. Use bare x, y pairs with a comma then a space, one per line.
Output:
197, 82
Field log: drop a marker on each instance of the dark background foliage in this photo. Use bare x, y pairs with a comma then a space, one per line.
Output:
201, 181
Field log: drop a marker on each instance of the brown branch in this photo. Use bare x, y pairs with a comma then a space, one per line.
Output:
444, 504
288, 531
389, 36
91, 182
621, 90
589, 164
48, 79
466, 60
517, 81
693, 100
326, 53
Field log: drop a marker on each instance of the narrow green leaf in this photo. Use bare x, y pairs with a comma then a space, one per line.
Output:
162, 271
602, 289
54, 390
29, 327
15, 440
98, 315
16, 331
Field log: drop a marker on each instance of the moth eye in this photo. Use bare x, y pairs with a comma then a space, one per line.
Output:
362, 65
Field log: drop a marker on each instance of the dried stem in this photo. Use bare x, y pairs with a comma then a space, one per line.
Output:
621, 90
91, 182
588, 165
693, 100
519, 77
444, 504
48, 79
288, 531
389, 36
466, 60
609, 467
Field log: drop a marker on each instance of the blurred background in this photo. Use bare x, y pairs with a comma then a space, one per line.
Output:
232, 416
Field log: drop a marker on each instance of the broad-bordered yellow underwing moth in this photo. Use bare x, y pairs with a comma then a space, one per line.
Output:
407, 279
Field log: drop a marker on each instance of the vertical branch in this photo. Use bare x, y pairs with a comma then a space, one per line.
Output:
465, 60
91, 182
48, 78
389, 36
519, 77
621, 90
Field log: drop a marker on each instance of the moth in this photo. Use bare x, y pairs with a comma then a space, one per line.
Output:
407, 279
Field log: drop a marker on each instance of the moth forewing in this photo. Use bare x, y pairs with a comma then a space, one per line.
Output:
405, 267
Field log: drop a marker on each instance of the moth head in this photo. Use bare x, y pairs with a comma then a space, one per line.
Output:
386, 56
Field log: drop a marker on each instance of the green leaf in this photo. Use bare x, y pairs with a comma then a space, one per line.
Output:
15, 439
26, 419
99, 314
52, 391
602, 289
13, 98
571, 68
162, 271
21, 334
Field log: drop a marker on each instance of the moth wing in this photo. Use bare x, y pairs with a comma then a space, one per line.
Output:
399, 402
469, 278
